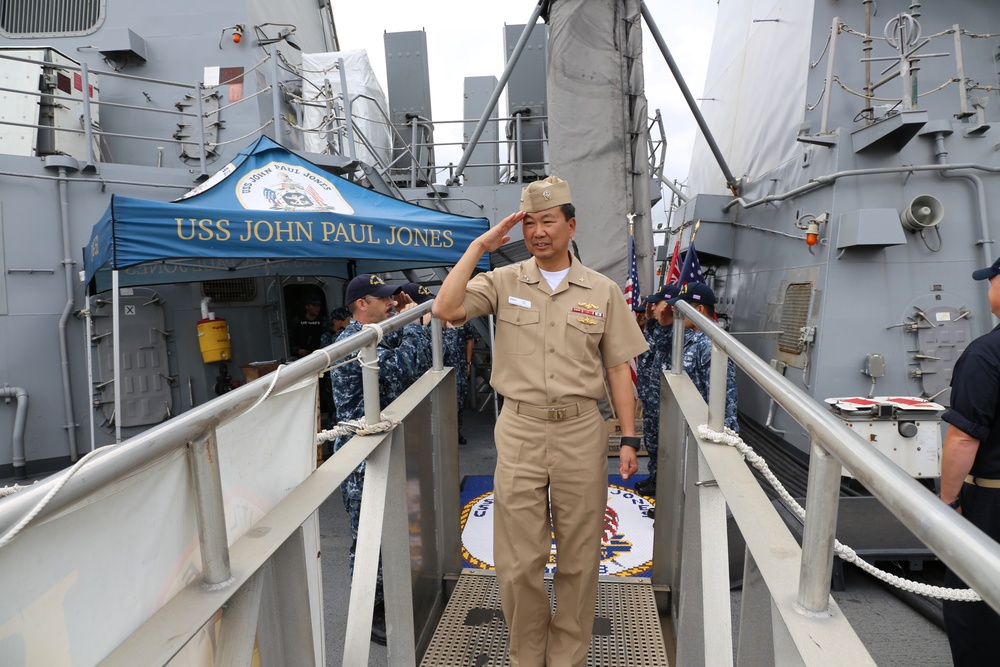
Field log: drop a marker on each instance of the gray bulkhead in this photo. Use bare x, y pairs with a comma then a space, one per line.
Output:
183, 42
864, 289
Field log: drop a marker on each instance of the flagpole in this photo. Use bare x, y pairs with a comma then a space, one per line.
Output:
694, 232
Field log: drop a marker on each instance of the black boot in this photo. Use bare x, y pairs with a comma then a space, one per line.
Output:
378, 624
646, 487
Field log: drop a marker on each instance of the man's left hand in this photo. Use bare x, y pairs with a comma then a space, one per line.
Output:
628, 464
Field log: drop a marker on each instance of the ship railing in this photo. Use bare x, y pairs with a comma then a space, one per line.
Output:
256, 590
409, 166
787, 615
94, 135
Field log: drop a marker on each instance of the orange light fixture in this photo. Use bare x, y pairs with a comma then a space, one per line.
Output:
812, 233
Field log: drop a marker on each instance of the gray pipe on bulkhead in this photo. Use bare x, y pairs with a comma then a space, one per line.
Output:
941, 155
62, 163
19, 420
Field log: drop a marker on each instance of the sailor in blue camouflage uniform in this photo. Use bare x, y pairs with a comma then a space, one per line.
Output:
660, 337
698, 349
402, 357
457, 343
456, 349
339, 319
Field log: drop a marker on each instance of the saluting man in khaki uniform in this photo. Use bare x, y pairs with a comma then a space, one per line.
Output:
560, 327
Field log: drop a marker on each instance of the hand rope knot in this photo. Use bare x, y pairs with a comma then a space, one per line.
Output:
846, 553
379, 334
356, 427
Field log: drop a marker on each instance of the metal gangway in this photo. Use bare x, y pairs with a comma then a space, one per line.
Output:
787, 616
196, 542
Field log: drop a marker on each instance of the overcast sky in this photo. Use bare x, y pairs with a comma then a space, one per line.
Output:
465, 38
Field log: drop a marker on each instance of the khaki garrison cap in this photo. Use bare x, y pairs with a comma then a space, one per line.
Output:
544, 194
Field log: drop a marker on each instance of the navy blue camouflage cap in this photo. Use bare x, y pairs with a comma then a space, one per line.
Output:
695, 293
990, 271
368, 284
418, 293
666, 292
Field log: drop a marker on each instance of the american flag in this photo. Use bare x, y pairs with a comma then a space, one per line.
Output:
632, 297
674, 270
691, 270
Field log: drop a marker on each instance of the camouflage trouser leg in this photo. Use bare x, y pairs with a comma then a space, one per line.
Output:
462, 392
651, 437
351, 490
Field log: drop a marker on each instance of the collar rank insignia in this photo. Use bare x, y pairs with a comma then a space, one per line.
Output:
586, 320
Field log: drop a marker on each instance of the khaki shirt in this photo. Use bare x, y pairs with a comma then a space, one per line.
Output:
552, 345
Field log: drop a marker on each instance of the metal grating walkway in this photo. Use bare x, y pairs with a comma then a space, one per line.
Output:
472, 632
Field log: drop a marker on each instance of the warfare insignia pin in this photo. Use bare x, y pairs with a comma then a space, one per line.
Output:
588, 306
586, 320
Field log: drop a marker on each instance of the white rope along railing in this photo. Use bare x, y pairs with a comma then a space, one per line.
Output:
729, 437
22, 524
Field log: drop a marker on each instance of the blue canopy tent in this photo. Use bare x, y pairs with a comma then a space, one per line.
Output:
268, 212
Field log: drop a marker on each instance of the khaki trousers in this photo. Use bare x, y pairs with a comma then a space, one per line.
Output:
562, 465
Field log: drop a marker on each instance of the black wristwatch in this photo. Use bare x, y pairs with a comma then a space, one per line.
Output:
630, 441
955, 505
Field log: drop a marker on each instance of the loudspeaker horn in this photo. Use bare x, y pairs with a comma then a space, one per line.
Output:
923, 212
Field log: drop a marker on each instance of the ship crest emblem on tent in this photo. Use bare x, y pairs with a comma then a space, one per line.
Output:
280, 186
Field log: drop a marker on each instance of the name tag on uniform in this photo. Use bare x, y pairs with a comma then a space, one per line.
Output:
514, 301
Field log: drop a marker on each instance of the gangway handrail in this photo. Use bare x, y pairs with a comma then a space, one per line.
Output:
973, 555
176, 433
267, 578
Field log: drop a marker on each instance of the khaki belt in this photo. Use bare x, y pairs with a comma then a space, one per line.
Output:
983, 482
554, 412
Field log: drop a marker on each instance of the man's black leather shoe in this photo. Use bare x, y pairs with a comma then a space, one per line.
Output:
646, 487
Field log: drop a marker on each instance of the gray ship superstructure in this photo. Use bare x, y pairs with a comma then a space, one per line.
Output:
861, 140
117, 99
151, 73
